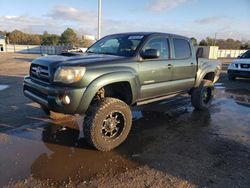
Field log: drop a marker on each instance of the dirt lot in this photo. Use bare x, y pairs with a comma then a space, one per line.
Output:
170, 145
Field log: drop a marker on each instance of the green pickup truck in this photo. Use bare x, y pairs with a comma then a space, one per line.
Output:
117, 72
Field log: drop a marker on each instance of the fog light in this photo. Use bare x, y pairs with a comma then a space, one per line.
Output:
66, 99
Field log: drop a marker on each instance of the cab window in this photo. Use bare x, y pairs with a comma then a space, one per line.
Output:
160, 44
182, 48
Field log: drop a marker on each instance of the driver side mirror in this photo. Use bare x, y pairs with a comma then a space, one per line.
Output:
150, 54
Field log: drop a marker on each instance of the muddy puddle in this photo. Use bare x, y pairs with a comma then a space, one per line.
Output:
231, 115
56, 154
55, 151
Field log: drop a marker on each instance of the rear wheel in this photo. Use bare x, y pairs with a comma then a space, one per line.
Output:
202, 96
107, 123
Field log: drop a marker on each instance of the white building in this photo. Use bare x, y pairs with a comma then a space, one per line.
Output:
89, 37
2, 43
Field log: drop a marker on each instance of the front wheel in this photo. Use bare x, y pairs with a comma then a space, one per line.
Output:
107, 123
202, 96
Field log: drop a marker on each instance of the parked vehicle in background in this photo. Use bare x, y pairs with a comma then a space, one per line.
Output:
116, 72
240, 67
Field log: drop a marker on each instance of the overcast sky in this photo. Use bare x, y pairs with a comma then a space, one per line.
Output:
198, 18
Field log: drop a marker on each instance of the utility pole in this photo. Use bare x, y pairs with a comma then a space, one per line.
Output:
215, 35
99, 18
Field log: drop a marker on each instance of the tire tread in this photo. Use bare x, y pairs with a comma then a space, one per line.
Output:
91, 119
196, 95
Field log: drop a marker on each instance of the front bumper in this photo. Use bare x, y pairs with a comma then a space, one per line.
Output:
239, 73
51, 96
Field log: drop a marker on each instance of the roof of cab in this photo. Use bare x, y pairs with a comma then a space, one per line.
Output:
149, 33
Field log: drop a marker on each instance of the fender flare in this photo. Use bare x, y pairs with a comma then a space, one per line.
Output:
106, 79
202, 75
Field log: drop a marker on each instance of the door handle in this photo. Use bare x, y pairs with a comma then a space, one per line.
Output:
170, 66
191, 64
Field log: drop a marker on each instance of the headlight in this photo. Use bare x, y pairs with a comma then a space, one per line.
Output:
69, 75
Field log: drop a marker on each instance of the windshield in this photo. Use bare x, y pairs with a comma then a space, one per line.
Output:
246, 55
120, 45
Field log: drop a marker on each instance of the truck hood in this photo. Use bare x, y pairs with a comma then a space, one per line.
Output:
78, 60
242, 61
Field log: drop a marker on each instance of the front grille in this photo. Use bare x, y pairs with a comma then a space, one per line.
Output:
245, 66
40, 73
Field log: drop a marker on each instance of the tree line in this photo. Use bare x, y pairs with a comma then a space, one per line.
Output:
223, 43
69, 37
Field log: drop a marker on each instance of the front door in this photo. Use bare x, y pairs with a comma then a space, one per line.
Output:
155, 74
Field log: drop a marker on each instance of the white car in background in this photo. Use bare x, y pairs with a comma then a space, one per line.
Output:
240, 67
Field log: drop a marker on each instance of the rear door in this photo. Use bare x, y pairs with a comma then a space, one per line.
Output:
184, 64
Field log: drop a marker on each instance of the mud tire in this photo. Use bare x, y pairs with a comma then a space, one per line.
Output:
202, 96
95, 121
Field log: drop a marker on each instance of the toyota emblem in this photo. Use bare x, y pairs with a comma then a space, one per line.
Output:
38, 71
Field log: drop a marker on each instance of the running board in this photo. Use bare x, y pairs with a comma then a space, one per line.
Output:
158, 99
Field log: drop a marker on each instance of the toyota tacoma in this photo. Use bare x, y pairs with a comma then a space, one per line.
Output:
117, 72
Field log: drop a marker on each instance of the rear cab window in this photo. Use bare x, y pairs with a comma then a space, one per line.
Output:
182, 49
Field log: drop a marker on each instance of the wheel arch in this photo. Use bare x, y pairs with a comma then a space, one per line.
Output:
127, 79
207, 75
